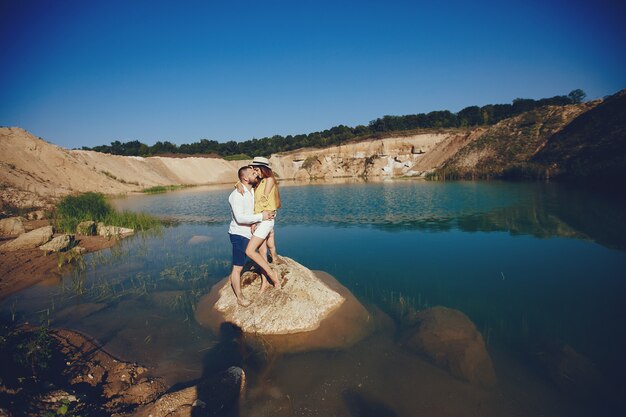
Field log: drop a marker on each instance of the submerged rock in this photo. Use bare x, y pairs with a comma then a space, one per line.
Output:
311, 311
571, 371
29, 240
197, 239
450, 339
12, 226
58, 244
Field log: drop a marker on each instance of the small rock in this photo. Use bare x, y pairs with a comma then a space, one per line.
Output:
198, 403
12, 226
78, 249
36, 215
86, 228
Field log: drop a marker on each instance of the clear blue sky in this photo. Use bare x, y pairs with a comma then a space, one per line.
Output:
85, 73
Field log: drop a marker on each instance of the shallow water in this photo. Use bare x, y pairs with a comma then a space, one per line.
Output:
532, 264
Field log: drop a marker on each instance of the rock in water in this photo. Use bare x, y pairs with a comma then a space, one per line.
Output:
311, 311
113, 231
450, 339
197, 239
29, 240
12, 226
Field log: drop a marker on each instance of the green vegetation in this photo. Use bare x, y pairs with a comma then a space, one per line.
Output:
468, 117
157, 189
237, 157
93, 206
24, 351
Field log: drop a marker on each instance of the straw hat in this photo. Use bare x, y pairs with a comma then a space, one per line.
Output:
259, 161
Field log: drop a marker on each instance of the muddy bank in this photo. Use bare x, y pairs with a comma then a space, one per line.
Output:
26, 267
64, 372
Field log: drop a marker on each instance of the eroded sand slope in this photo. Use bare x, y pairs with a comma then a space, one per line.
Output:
33, 171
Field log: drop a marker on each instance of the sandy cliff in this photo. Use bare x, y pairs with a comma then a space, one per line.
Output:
34, 172
390, 157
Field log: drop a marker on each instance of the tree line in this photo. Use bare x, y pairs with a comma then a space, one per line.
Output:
472, 116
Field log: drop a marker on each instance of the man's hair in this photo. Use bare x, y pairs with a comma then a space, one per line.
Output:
241, 171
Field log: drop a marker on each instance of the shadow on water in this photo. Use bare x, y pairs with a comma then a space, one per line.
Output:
361, 406
220, 396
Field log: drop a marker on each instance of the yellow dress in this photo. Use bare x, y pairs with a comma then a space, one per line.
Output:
262, 202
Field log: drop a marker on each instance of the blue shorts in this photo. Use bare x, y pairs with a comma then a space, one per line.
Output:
239, 249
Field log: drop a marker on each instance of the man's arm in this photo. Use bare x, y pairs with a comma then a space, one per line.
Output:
239, 213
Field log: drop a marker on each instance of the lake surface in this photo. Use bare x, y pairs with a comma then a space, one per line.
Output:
534, 265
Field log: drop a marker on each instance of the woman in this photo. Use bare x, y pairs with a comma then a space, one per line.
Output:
266, 198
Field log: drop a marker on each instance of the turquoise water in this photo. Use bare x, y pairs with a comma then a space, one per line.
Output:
531, 264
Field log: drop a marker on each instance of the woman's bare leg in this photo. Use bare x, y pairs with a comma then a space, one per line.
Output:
251, 252
264, 278
271, 244
263, 249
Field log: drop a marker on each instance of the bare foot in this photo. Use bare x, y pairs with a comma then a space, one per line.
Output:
264, 285
276, 280
244, 302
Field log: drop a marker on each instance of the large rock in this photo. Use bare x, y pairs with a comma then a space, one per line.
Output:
113, 231
86, 228
311, 311
12, 226
450, 339
58, 244
29, 240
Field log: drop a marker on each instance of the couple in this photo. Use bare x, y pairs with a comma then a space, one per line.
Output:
253, 207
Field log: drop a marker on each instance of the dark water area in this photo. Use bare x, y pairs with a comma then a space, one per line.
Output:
536, 266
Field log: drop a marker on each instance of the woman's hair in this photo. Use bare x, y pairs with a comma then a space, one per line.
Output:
267, 172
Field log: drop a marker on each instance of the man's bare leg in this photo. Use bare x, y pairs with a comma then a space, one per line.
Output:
251, 252
235, 283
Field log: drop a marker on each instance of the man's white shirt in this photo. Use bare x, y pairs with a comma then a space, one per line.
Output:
242, 213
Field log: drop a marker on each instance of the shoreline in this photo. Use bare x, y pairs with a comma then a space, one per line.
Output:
24, 268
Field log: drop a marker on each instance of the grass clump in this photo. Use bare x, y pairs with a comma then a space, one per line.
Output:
93, 206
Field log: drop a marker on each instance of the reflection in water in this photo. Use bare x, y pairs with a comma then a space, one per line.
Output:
521, 260
537, 209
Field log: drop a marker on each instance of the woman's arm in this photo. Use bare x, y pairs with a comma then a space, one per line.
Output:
263, 199
269, 187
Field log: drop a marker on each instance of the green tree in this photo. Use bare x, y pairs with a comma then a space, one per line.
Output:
577, 96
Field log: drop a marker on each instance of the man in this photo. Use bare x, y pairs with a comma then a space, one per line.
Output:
242, 218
